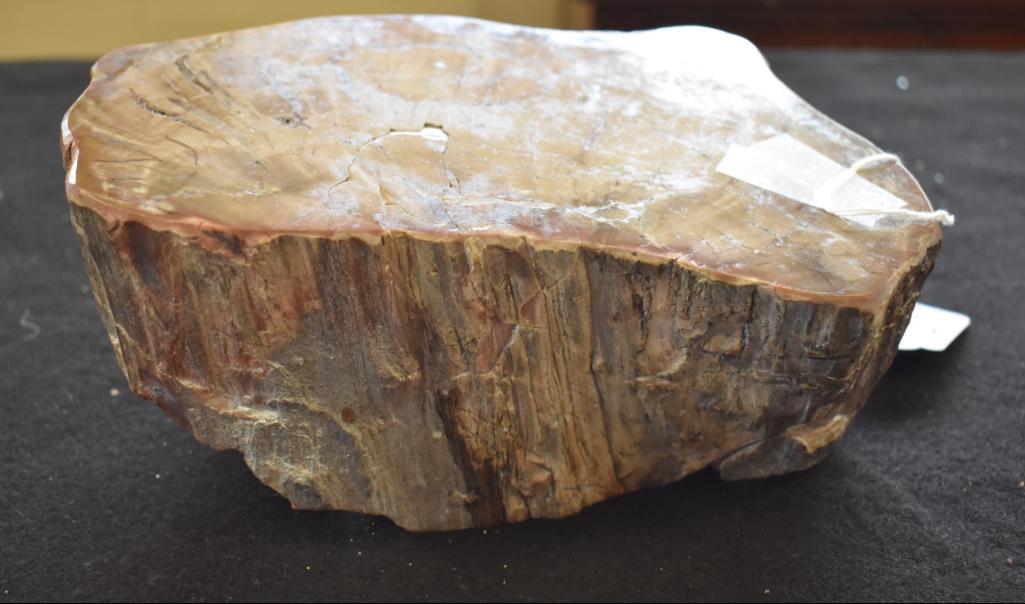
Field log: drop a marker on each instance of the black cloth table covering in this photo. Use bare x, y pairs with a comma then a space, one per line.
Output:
103, 498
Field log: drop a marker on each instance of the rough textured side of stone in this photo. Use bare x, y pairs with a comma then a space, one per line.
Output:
457, 384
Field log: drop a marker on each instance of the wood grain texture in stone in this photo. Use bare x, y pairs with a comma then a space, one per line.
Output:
460, 273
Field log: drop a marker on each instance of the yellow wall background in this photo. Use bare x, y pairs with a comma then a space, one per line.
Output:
85, 29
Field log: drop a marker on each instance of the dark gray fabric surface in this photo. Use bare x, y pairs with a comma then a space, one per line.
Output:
103, 498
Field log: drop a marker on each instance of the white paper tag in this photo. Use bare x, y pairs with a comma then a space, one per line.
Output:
788, 167
932, 328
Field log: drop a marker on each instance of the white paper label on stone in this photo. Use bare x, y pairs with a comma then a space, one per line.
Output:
788, 167
933, 328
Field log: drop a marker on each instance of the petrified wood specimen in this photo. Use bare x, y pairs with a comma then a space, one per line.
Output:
459, 273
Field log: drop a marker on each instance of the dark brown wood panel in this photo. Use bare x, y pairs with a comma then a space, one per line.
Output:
996, 24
